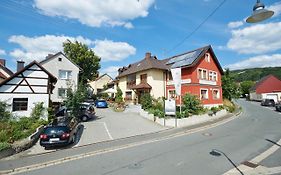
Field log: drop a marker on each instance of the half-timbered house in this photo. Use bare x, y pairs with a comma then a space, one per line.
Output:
30, 85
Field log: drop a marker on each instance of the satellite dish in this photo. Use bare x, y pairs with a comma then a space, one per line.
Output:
259, 13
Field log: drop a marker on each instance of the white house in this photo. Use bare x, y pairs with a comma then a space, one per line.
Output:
66, 71
28, 86
100, 82
4, 71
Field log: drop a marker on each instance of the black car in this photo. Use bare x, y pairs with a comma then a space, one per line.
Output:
278, 107
60, 132
268, 102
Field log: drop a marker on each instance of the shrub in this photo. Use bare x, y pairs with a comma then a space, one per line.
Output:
158, 104
4, 145
229, 106
215, 109
119, 98
4, 114
146, 101
38, 111
192, 104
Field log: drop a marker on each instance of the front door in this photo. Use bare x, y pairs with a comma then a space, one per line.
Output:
140, 92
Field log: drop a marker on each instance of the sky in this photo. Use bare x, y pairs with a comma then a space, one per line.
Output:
122, 31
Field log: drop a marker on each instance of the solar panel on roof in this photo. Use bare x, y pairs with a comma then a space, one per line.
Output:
185, 59
189, 56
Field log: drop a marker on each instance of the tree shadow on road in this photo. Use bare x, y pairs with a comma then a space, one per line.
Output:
271, 141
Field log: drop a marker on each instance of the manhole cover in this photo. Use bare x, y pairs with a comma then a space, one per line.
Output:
135, 166
250, 164
207, 134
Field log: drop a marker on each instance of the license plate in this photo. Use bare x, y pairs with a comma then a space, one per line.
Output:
54, 139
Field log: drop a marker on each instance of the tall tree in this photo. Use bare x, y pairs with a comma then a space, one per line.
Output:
245, 87
85, 58
230, 89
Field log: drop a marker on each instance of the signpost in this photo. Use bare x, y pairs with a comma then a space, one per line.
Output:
176, 74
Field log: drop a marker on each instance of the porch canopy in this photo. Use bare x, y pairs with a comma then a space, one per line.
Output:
142, 85
111, 90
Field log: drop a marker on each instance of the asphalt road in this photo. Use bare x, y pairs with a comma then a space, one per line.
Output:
237, 141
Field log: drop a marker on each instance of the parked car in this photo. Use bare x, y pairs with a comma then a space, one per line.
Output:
86, 112
61, 131
278, 107
268, 102
101, 104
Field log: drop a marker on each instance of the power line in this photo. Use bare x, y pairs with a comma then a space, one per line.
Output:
197, 28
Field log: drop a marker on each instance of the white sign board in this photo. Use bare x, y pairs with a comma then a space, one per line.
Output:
170, 107
176, 74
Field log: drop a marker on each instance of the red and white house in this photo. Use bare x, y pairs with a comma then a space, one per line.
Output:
200, 75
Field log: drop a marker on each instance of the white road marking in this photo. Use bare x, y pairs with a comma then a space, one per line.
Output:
107, 131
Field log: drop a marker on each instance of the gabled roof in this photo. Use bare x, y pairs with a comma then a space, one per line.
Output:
103, 76
53, 78
49, 57
144, 64
191, 58
263, 79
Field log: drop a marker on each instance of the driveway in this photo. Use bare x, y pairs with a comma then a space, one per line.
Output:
108, 125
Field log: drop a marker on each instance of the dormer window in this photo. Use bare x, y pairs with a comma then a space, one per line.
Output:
207, 57
60, 59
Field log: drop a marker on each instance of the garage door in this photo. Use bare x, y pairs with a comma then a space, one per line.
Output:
272, 96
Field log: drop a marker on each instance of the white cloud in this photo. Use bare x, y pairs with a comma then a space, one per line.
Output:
256, 39
235, 24
111, 71
38, 47
276, 8
113, 51
2, 52
257, 61
96, 13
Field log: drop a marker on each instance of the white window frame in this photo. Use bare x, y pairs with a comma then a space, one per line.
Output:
202, 70
218, 94
68, 74
207, 57
213, 76
207, 94
65, 89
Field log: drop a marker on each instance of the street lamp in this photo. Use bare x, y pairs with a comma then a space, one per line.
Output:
259, 13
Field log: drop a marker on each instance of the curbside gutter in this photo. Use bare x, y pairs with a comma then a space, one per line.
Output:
22, 145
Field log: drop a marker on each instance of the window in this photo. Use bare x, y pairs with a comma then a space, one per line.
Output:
64, 75
204, 94
212, 76
202, 74
170, 77
20, 104
128, 96
172, 94
62, 92
60, 59
207, 57
216, 94
143, 78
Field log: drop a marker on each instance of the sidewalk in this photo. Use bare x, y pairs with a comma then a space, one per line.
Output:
269, 162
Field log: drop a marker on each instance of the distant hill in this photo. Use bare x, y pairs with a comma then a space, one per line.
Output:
255, 74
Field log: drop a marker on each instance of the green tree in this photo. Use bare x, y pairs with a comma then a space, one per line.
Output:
191, 104
119, 98
75, 98
4, 113
230, 89
85, 58
146, 101
245, 87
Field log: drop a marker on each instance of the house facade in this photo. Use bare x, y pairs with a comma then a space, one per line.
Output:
4, 71
268, 87
200, 75
99, 84
145, 76
29, 85
65, 71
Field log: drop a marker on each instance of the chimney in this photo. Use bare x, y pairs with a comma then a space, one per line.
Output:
3, 62
147, 55
20, 65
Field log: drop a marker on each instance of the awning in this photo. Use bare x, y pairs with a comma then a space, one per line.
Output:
142, 85
111, 90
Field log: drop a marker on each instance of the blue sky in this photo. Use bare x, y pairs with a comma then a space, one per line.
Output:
121, 31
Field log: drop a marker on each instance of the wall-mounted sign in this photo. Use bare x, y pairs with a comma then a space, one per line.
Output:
170, 107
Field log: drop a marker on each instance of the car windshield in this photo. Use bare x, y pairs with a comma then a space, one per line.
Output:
55, 130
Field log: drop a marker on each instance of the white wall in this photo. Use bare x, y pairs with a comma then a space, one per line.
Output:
32, 100
53, 66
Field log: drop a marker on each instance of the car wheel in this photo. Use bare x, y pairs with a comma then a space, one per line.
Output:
84, 118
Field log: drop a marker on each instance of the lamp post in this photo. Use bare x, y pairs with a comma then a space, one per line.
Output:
259, 13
